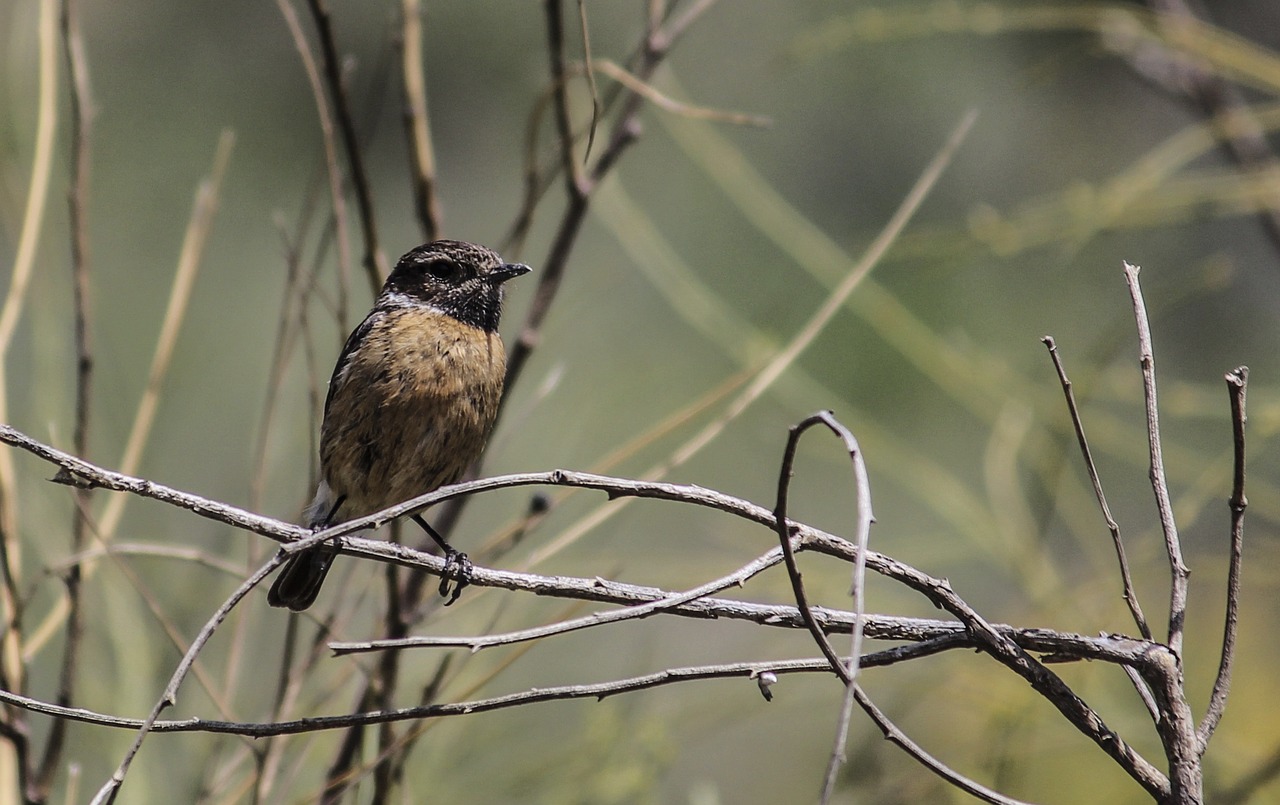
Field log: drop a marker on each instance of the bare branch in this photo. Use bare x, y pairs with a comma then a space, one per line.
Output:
899, 738
82, 115
107, 794
994, 641
1237, 385
417, 121
1065, 646
333, 173
786, 531
1179, 570
1130, 593
737, 578
374, 262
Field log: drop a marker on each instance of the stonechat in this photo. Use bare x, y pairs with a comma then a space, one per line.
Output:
412, 400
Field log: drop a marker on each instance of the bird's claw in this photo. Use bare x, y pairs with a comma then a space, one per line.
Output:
457, 568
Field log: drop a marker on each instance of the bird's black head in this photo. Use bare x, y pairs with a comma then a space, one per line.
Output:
462, 280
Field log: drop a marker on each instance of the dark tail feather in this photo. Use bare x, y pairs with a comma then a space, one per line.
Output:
298, 584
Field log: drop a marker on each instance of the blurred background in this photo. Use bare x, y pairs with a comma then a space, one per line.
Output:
705, 251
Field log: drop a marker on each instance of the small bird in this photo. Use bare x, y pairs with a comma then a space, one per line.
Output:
412, 400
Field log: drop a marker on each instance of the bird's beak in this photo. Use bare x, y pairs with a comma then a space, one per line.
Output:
507, 271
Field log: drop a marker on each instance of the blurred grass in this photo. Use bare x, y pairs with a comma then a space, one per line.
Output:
705, 253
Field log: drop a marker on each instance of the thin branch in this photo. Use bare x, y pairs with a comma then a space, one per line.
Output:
12, 669
1130, 593
107, 794
1178, 569
1158, 663
82, 114
575, 183
1237, 385
896, 736
417, 121
585, 32
668, 104
476, 643
578, 183
374, 262
853, 692
332, 171
786, 532
598, 691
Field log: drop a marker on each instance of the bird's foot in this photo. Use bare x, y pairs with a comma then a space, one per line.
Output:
457, 569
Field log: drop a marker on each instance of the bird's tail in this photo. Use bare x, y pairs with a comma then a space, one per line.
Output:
298, 584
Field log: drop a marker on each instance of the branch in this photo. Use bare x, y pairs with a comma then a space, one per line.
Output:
1130, 593
333, 173
82, 115
847, 673
786, 531
1178, 570
374, 262
476, 643
426, 200
1237, 383
1155, 661
107, 794
747, 670
1116, 648
900, 739
990, 639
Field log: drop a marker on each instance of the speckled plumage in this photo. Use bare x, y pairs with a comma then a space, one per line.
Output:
413, 396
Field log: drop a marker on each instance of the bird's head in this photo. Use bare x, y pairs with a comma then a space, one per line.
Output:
459, 279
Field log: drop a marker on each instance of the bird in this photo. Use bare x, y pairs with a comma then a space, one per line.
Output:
412, 401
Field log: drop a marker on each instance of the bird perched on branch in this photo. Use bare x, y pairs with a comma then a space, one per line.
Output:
411, 403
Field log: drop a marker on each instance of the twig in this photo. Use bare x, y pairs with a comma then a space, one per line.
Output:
786, 532
1158, 663
580, 183
899, 738
12, 670
575, 183
1178, 570
585, 31
598, 691
374, 262
417, 121
847, 673
668, 104
862, 536
332, 171
737, 578
1130, 593
82, 114
107, 794
1237, 385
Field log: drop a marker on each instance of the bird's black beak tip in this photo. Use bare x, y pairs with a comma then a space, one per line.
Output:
508, 271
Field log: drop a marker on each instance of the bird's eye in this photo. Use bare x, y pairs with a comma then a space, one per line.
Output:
443, 269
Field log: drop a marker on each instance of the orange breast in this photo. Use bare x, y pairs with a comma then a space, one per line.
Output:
411, 409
